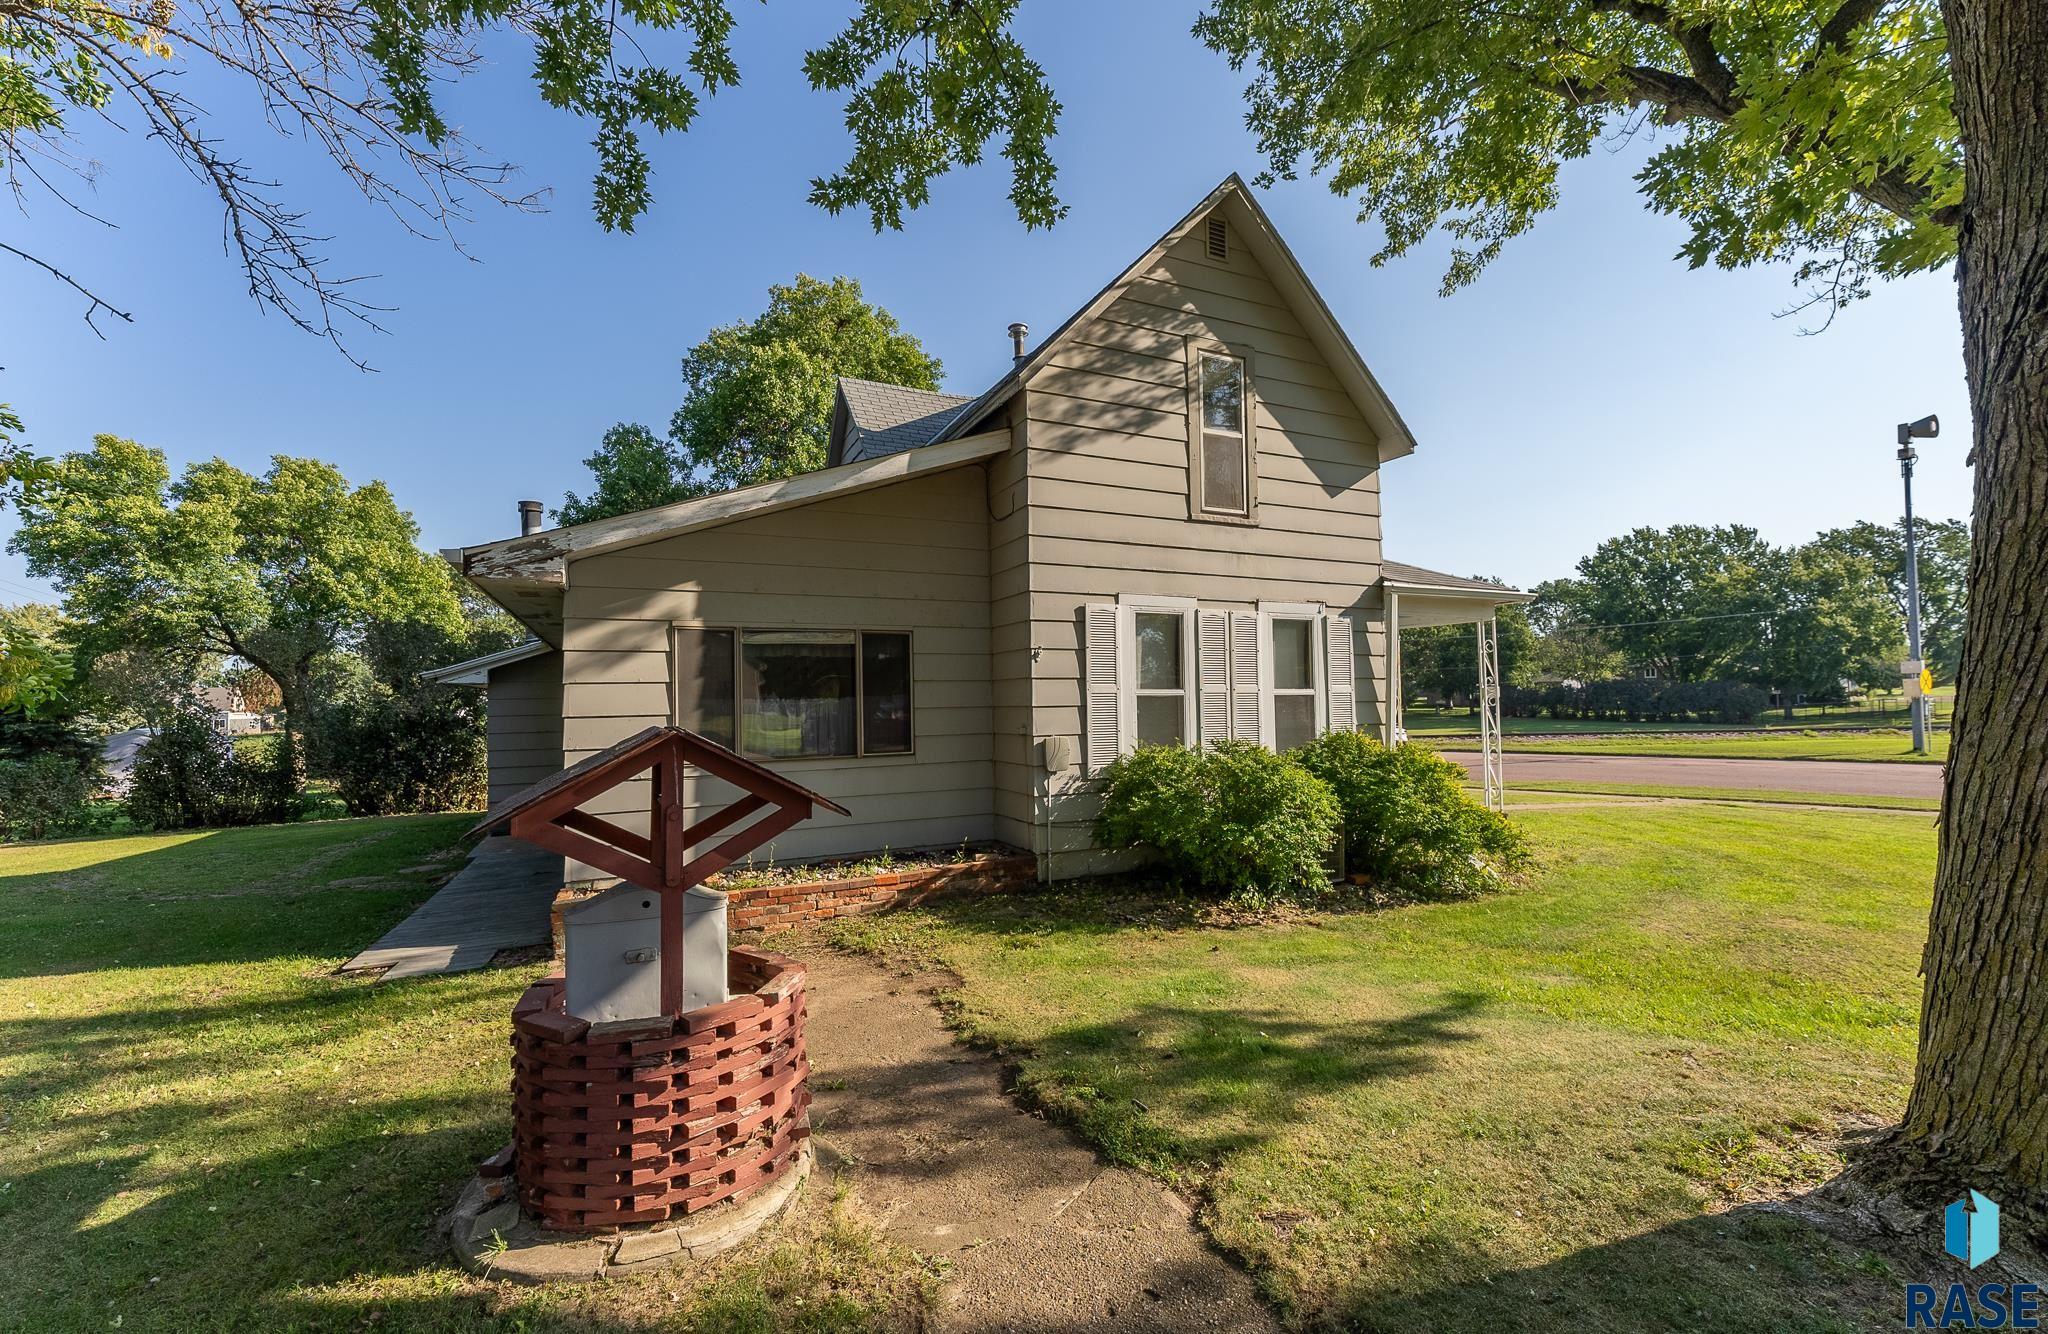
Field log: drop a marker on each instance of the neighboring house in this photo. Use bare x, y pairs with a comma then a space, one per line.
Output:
237, 718
1161, 526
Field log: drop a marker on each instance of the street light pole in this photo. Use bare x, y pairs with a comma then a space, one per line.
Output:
1925, 429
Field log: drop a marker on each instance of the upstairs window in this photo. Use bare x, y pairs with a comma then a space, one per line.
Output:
1220, 445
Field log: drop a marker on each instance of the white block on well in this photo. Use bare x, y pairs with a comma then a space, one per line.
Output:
611, 948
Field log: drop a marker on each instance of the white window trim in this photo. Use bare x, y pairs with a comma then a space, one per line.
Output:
1197, 347
1313, 613
1127, 608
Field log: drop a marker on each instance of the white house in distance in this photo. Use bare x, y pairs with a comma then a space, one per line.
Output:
1161, 526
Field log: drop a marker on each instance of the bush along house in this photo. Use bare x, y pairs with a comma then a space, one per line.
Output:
1161, 526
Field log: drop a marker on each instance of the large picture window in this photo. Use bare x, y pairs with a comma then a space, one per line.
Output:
796, 694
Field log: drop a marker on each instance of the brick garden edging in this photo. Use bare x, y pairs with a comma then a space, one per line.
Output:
780, 907
643, 1121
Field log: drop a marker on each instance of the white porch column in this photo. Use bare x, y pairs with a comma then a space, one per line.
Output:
1391, 722
1489, 713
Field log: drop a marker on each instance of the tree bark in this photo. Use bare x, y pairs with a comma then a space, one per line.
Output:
1979, 1108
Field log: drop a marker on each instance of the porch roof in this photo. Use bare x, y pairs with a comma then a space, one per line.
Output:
1419, 597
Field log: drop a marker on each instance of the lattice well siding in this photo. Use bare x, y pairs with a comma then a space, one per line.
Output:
657, 1120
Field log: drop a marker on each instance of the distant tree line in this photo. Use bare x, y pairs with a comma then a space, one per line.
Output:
1693, 605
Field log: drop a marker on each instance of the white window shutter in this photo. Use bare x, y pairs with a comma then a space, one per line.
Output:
1343, 687
1244, 676
1212, 663
1099, 672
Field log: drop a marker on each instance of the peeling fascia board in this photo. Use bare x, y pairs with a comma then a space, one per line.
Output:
1235, 198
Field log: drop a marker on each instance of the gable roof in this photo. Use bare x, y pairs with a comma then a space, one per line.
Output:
871, 419
1234, 199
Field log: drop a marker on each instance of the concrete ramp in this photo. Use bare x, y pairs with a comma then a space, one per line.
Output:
499, 900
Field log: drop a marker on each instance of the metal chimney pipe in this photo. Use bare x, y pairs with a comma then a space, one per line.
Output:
1017, 333
529, 517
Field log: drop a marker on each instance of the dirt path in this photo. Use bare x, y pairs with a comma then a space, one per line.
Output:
1040, 1235
1852, 777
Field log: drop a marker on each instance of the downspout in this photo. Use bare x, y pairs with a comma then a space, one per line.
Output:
1393, 713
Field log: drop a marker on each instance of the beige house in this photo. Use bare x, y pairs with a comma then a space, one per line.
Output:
1161, 526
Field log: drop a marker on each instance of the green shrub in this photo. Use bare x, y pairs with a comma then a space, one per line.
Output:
189, 775
1407, 820
1234, 819
46, 795
396, 752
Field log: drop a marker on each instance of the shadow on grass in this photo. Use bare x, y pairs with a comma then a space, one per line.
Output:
217, 896
1755, 1269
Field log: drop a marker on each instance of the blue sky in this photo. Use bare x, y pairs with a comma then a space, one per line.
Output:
1588, 384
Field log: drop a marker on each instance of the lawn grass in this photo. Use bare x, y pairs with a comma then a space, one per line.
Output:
1552, 1109
1421, 720
1870, 746
1569, 791
204, 1128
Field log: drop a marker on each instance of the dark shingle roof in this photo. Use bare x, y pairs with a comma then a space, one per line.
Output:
1396, 572
889, 418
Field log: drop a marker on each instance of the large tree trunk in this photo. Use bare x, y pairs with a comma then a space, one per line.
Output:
1979, 1110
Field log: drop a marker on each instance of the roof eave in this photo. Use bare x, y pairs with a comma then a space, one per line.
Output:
477, 670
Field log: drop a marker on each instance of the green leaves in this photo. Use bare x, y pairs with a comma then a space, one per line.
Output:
759, 395
932, 81
1825, 136
635, 470
276, 569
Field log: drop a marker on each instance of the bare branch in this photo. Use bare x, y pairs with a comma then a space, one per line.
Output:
98, 303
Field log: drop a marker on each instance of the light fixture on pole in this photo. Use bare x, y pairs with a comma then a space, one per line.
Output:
1927, 428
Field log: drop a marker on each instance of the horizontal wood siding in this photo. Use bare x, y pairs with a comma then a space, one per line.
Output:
1107, 480
524, 723
1017, 767
913, 556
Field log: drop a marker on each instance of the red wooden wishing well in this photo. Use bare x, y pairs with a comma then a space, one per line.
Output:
643, 1121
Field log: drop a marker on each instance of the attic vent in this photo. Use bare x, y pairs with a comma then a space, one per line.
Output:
1219, 240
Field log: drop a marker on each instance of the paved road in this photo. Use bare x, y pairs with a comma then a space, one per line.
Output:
1870, 779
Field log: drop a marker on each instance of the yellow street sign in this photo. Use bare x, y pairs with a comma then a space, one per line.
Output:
1926, 681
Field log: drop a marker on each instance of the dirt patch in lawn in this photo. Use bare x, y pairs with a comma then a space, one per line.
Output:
1036, 1233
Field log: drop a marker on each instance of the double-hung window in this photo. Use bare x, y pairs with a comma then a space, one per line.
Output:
796, 694
1296, 702
1161, 698
1221, 475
